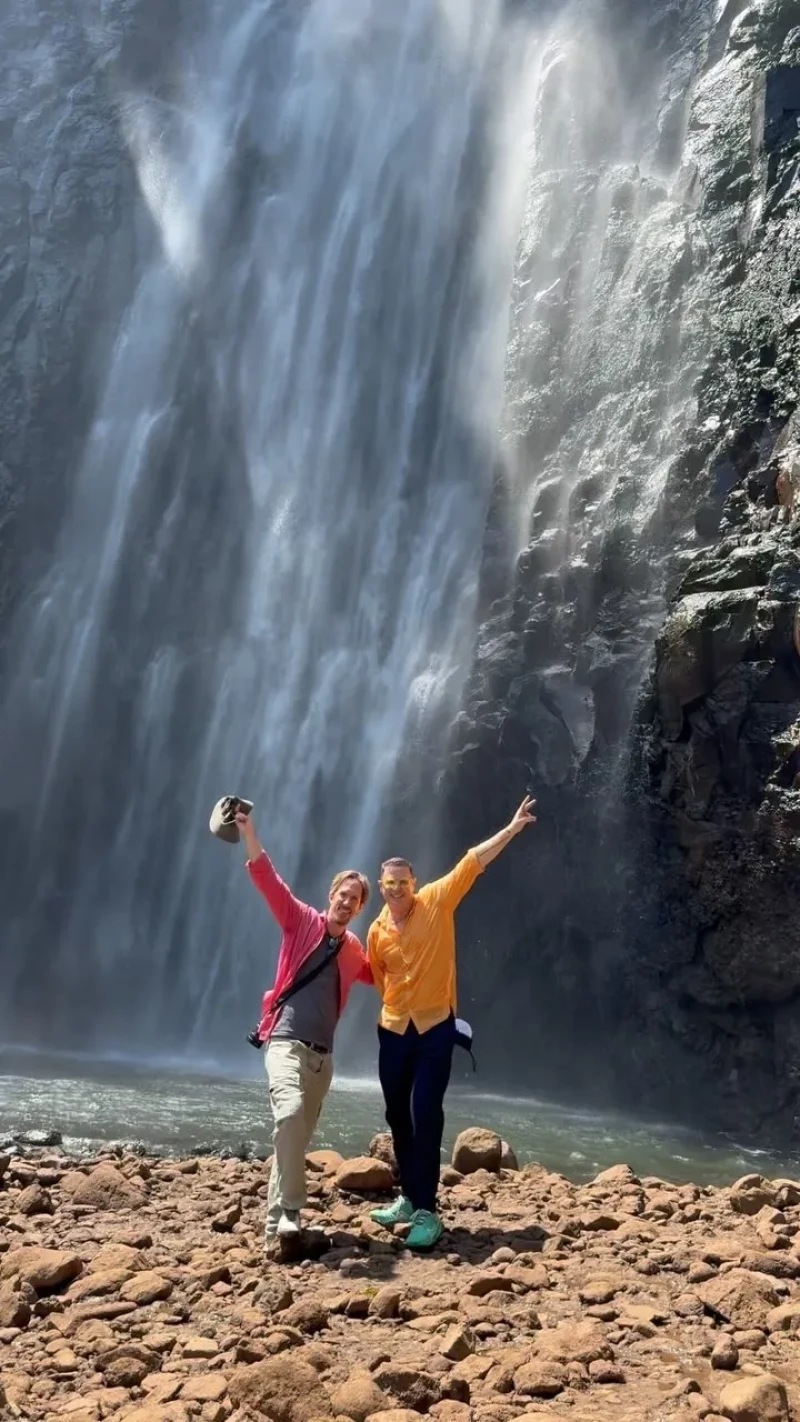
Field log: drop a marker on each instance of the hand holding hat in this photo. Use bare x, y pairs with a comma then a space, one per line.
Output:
223, 817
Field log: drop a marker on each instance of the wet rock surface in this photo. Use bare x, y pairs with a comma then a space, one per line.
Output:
640, 674
719, 754
520, 1311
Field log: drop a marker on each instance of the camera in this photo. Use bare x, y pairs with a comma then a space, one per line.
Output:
254, 1039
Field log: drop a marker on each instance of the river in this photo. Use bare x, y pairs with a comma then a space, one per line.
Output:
170, 1110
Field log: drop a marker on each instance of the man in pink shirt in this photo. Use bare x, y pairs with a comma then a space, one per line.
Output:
318, 962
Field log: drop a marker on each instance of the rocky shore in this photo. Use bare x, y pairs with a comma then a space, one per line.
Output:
137, 1289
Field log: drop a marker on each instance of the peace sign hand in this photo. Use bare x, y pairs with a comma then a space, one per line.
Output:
524, 815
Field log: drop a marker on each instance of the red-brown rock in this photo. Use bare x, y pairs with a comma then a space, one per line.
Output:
128, 1364
34, 1200
283, 1389
98, 1284
477, 1149
359, 1397
739, 1297
364, 1173
106, 1188
541, 1378
146, 1288
15, 1306
755, 1399
43, 1269
410, 1386
308, 1315
206, 1387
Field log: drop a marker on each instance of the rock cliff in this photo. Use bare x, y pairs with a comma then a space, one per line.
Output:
655, 951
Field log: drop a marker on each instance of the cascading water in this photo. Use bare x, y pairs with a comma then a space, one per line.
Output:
265, 574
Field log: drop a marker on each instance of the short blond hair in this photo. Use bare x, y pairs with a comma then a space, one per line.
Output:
363, 883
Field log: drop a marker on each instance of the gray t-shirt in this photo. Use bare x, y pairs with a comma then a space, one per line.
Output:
312, 1013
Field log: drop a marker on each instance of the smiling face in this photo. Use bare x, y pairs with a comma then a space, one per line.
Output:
397, 886
348, 895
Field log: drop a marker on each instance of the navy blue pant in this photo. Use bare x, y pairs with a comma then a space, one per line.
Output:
414, 1070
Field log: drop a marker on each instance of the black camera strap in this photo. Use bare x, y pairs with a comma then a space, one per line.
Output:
335, 946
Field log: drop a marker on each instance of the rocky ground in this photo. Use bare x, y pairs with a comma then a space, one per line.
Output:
137, 1289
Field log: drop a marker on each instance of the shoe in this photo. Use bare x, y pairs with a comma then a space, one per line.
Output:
288, 1224
400, 1211
425, 1232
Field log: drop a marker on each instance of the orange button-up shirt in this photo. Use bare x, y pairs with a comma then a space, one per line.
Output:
415, 969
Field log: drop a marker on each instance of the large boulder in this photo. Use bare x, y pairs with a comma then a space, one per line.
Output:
282, 1389
739, 1297
616, 1177
477, 1149
34, 1200
308, 1315
106, 1188
365, 1174
751, 1194
127, 1364
359, 1397
785, 1318
100, 1283
410, 1386
755, 1399
146, 1288
43, 1269
114, 1256
540, 1378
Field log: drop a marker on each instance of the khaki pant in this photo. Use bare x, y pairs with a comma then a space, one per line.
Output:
299, 1081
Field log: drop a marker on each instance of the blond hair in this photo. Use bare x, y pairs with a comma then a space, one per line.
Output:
363, 883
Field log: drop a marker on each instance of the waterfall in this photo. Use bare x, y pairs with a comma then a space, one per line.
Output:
265, 573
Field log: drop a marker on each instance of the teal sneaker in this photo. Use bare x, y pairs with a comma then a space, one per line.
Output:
400, 1211
425, 1232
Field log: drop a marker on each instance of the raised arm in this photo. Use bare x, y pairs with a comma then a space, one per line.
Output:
285, 908
490, 848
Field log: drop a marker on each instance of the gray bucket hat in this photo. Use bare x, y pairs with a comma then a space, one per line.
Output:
223, 817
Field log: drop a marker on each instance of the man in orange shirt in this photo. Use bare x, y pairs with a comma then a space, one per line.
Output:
411, 949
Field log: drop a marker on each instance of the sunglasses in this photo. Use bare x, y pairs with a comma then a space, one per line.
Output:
395, 883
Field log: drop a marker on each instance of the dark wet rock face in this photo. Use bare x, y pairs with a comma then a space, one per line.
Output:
654, 953
64, 184
718, 757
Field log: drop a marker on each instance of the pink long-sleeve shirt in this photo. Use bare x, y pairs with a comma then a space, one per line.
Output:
303, 929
